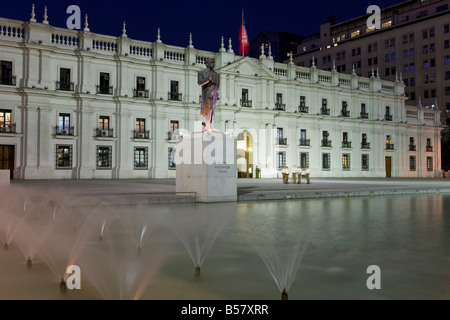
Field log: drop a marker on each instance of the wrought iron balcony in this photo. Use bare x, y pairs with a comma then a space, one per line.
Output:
326, 143
173, 135
65, 86
412, 147
280, 106
346, 144
345, 113
175, 96
282, 141
141, 134
140, 93
8, 81
104, 89
11, 128
364, 115
324, 111
303, 109
305, 142
389, 146
246, 103
60, 131
105, 133
388, 117
365, 145
429, 149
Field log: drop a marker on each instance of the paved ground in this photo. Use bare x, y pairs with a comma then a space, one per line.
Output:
163, 190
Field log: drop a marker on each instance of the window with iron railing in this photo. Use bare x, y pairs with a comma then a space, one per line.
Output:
364, 162
346, 161
104, 87
140, 158
104, 157
326, 161
412, 163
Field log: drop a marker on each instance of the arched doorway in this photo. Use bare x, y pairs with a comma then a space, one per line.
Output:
244, 156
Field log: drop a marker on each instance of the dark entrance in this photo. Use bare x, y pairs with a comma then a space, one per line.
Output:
7, 158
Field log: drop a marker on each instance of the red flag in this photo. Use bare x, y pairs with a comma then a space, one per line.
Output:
243, 39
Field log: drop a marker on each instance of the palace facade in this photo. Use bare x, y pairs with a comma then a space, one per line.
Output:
80, 105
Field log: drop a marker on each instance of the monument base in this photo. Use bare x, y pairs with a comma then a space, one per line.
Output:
206, 165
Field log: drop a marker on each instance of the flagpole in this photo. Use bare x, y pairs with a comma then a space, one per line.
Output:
242, 38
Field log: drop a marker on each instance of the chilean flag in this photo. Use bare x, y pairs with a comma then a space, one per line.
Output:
243, 39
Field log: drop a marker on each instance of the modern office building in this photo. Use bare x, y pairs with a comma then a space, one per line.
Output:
79, 105
412, 43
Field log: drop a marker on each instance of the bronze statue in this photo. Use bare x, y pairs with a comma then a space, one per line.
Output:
209, 80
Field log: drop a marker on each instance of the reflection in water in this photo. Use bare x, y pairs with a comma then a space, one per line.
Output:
314, 249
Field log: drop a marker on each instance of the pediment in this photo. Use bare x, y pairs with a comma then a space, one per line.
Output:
249, 67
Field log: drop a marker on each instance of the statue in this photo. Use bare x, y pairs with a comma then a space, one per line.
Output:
209, 80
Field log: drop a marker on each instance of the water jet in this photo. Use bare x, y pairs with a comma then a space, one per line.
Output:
197, 271
62, 286
284, 295
29, 262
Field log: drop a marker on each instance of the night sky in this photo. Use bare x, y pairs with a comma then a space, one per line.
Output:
207, 21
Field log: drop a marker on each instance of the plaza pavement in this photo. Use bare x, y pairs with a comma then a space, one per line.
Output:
154, 191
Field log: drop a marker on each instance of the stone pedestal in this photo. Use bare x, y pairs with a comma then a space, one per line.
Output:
206, 165
4, 177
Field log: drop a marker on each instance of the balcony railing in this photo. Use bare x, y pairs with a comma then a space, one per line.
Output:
65, 86
412, 147
104, 89
11, 128
389, 146
246, 103
388, 117
282, 141
8, 81
345, 113
105, 133
280, 106
303, 109
60, 131
429, 149
140, 93
326, 143
365, 145
346, 144
364, 115
325, 111
175, 96
141, 134
305, 142
173, 135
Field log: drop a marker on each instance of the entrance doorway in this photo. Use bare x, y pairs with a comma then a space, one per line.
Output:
387, 163
244, 156
7, 158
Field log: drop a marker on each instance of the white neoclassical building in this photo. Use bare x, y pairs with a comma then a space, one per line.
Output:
80, 105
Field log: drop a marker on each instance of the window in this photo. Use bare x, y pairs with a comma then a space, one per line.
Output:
405, 53
281, 140
446, 44
412, 96
432, 47
279, 102
174, 126
425, 48
446, 28
140, 90
432, 62
411, 52
412, 146
302, 101
432, 78
433, 93
386, 57
281, 159
245, 102
364, 143
412, 163
363, 113
431, 32
429, 163
63, 157
447, 91
412, 81
303, 141
425, 64
405, 39
140, 157
64, 80
326, 157
5, 119
346, 161
140, 131
393, 56
386, 24
63, 126
104, 155
425, 34
364, 162
103, 123
324, 109
405, 68
447, 75
447, 59
174, 93
304, 159
104, 87
425, 78
6, 76
325, 141
344, 111
172, 162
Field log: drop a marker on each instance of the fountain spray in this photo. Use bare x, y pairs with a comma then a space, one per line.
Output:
5, 246
29, 262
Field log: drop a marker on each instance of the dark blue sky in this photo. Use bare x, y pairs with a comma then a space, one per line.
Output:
207, 21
